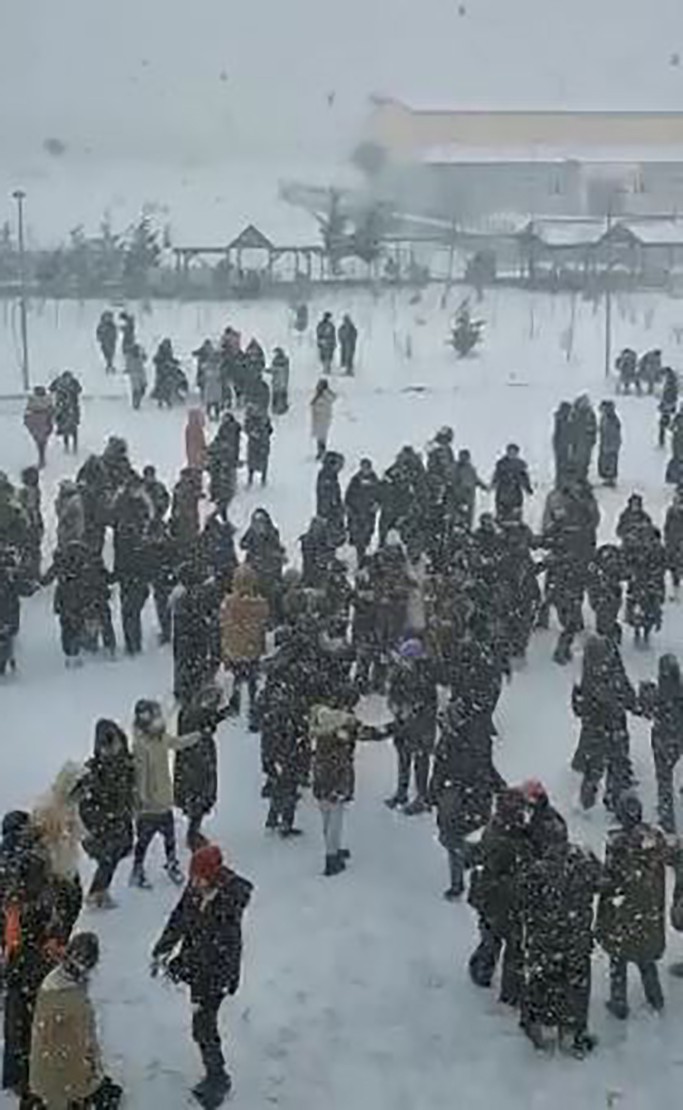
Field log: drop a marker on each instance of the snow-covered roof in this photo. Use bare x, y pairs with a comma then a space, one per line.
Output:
568, 233
655, 232
458, 154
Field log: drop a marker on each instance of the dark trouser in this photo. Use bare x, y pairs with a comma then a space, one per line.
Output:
71, 627
162, 593
321, 448
664, 421
20, 1002
485, 957
102, 879
205, 1033
284, 797
133, 598
68, 903
244, 671
194, 830
147, 826
618, 982
613, 758
407, 760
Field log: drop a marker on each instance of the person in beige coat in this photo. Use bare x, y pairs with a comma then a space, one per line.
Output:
244, 621
321, 415
152, 746
66, 1067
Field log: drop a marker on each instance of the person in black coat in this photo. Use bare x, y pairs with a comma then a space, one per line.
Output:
413, 703
81, 598
196, 635
66, 390
132, 514
645, 561
223, 458
662, 703
326, 339
106, 804
510, 483
162, 561
601, 702
207, 925
107, 335
12, 588
266, 555
195, 773
558, 893
348, 339
463, 783
170, 384
28, 916
156, 491
258, 430
495, 893
282, 715
218, 547
96, 495
317, 553
606, 589
362, 502
329, 502
562, 442
668, 403
673, 540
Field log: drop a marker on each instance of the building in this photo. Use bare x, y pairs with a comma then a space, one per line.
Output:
480, 167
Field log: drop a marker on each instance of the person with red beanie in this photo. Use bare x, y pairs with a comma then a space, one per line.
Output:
202, 946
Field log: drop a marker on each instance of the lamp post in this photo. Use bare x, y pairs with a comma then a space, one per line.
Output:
19, 195
608, 299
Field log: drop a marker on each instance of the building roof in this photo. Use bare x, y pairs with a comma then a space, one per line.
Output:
567, 233
460, 154
250, 238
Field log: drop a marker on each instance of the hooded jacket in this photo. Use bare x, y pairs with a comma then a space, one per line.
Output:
65, 1067
244, 619
153, 782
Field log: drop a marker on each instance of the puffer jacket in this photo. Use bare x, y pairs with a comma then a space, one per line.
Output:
65, 1066
153, 782
333, 734
244, 619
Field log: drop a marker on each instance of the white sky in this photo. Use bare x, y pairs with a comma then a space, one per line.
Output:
142, 78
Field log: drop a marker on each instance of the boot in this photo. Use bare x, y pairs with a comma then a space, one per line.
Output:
534, 1031
344, 854
454, 892
416, 807
583, 1044
172, 869
395, 801
213, 1090
272, 819
290, 830
138, 877
619, 1010
333, 866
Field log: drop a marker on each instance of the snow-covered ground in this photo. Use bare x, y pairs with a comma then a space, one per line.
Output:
355, 992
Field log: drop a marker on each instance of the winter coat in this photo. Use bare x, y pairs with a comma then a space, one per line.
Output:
279, 374
223, 459
495, 888
185, 512
610, 445
196, 651
464, 779
132, 514
244, 620
107, 335
257, 393
106, 802
66, 1065
631, 913
67, 392
601, 702
413, 702
326, 338
195, 772
70, 516
266, 555
82, 580
208, 927
258, 430
558, 893
510, 482
663, 705
153, 784
362, 501
135, 360
329, 503
333, 736
212, 383
321, 415
348, 338
195, 441
218, 543
39, 418
673, 537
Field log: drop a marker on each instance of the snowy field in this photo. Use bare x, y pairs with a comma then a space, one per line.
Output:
355, 991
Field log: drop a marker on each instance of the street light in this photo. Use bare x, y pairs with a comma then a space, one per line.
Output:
19, 195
